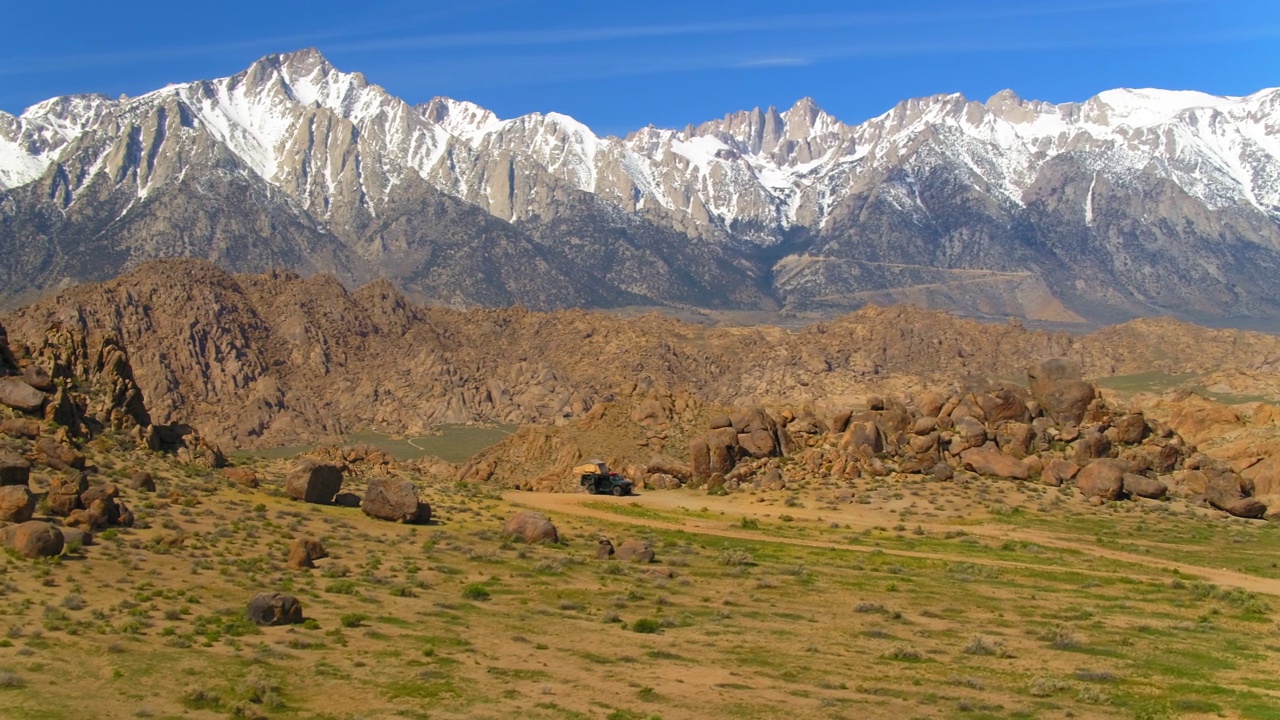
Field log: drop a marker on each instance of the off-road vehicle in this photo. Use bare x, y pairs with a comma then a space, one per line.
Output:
598, 480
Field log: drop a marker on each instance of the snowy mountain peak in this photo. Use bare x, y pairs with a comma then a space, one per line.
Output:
459, 118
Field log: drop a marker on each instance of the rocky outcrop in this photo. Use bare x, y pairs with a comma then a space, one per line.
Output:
636, 551
1060, 391
313, 481
17, 394
274, 609
65, 491
394, 499
14, 469
303, 552
17, 504
531, 527
32, 539
1103, 479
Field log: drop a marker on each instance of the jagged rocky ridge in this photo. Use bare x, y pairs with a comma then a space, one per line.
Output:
1134, 202
1059, 432
273, 359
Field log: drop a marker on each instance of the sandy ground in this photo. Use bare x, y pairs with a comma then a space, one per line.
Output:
736, 506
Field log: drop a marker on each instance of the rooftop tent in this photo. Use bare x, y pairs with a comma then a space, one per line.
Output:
594, 465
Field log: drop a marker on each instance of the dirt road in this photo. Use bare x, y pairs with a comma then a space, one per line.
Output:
858, 516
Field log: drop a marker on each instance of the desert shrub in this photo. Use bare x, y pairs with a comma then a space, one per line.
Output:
1044, 687
736, 557
352, 620
342, 587
904, 653
475, 591
1063, 638
979, 645
646, 625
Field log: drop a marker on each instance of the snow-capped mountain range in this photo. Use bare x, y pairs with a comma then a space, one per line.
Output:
1132, 202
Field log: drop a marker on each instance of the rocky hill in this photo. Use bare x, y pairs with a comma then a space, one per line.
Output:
1134, 202
271, 359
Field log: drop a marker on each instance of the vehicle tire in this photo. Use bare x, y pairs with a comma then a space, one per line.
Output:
617, 491
591, 489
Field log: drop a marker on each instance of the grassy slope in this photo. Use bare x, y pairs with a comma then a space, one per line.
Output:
914, 619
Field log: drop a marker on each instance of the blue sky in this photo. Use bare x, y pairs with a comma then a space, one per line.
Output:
619, 66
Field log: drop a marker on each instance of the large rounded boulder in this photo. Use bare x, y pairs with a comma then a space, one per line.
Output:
17, 504
274, 609
389, 498
1102, 478
531, 527
314, 481
32, 539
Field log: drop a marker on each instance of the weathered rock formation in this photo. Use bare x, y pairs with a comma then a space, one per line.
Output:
530, 527
313, 481
274, 609
395, 499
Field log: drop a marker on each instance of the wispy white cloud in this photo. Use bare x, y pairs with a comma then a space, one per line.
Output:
380, 35
737, 26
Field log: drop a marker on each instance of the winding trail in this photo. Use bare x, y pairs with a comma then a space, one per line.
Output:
575, 505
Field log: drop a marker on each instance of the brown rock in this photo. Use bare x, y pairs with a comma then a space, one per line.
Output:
924, 425
1252, 508
64, 493
76, 537
1057, 387
64, 410
724, 449
604, 549
1092, 444
17, 394
32, 539
719, 421
1005, 404
1142, 486
38, 378
142, 481
638, 551
347, 500
969, 433
93, 517
1059, 472
758, 443
1130, 429
59, 456
14, 469
1014, 438
670, 466
274, 609
1033, 464
17, 504
700, 459
1102, 478
862, 438
303, 552
1223, 487
531, 527
244, 477
20, 428
1265, 476
988, 461
389, 498
314, 482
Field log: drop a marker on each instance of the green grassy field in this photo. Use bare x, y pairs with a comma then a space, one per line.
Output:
751, 610
451, 443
